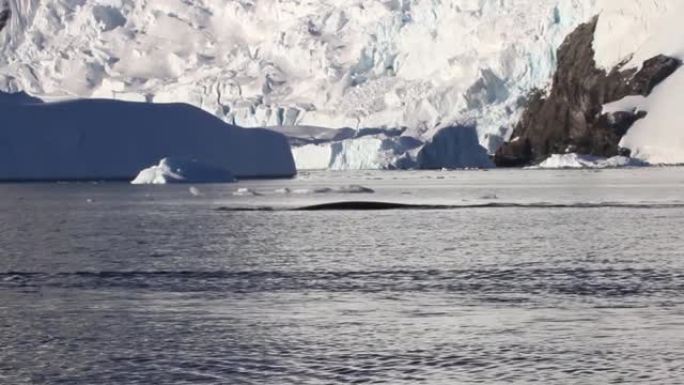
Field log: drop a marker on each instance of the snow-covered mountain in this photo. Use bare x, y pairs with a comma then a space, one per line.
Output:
394, 71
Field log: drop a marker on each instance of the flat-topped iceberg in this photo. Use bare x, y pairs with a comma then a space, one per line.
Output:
578, 161
100, 139
182, 171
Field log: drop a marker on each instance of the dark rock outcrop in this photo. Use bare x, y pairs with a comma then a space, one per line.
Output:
5, 14
569, 118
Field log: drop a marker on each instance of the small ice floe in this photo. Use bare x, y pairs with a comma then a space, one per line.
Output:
489, 197
351, 189
322, 190
245, 192
171, 170
194, 191
355, 189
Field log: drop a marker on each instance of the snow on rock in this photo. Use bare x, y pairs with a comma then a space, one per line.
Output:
577, 161
631, 32
659, 137
630, 103
182, 171
413, 64
106, 139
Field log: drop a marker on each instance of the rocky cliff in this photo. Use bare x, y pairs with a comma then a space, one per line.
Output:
569, 118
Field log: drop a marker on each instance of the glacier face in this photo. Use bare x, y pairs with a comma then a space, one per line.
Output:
415, 64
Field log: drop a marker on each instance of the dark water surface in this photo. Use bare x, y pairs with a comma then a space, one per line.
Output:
115, 284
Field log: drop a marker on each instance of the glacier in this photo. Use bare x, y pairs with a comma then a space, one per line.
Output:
99, 139
416, 66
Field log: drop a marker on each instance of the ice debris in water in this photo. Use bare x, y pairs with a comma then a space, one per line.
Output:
179, 171
355, 189
489, 197
244, 191
578, 161
351, 189
194, 191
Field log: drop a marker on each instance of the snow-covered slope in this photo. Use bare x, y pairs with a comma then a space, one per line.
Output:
105, 139
631, 32
418, 64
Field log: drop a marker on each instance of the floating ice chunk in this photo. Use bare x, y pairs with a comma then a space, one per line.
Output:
577, 161
351, 189
489, 197
243, 191
355, 189
180, 171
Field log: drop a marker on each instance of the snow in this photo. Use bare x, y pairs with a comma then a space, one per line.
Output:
106, 139
631, 103
182, 171
632, 32
577, 161
659, 137
411, 64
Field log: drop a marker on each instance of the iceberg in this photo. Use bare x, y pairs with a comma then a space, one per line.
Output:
100, 139
182, 171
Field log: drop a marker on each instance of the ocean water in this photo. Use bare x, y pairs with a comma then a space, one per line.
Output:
527, 276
